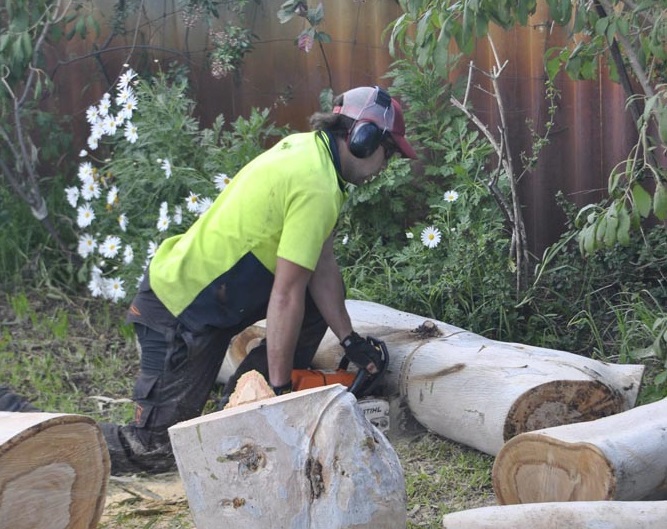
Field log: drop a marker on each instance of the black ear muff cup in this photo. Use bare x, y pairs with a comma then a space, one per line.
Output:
364, 139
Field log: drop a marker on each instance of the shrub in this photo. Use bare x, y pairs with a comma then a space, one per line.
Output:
150, 173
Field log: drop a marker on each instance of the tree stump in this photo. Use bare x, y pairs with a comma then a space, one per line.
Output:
477, 391
570, 515
307, 459
54, 470
621, 457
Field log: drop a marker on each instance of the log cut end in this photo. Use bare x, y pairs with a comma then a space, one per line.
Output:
238, 349
533, 468
561, 402
54, 470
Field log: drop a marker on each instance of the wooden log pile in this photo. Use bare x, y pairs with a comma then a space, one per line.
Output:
474, 390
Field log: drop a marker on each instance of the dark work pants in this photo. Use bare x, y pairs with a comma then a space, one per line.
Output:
178, 371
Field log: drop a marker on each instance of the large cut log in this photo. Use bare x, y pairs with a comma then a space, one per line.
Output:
621, 457
54, 470
477, 391
307, 459
571, 515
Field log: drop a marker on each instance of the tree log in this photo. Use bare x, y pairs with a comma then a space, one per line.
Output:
307, 459
482, 392
54, 470
621, 457
570, 515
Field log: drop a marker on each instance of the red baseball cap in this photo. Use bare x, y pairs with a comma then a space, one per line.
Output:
372, 103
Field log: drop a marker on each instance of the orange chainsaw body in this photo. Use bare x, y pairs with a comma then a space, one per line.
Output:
316, 378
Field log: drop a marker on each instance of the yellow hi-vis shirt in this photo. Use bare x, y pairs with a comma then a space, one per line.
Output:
284, 203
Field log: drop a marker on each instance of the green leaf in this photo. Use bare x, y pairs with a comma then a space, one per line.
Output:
660, 201
554, 64
623, 231
601, 26
80, 27
660, 378
609, 237
642, 200
322, 37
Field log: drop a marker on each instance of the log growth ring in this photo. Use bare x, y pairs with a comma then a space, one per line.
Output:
561, 402
535, 468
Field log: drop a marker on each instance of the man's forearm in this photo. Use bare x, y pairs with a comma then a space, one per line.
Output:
327, 290
283, 321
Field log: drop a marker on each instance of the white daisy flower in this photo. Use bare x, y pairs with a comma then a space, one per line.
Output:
221, 181
203, 205
163, 223
128, 254
112, 195
126, 78
114, 289
92, 143
87, 245
164, 209
104, 106
152, 248
122, 221
131, 134
72, 195
92, 114
90, 189
97, 130
96, 272
82, 153
178, 215
96, 286
431, 237
109, 125
86, 171
110, 247
124, 94
409, 235
85, 215
450, 196
129, 106
119, 119
192, 202
166, 167
346, 239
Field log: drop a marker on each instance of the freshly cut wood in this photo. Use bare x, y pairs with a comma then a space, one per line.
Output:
482, 392
570, 515
54, 470
251, 387
307, 459
621, 457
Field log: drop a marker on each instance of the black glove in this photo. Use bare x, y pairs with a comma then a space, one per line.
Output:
282, 390
361, 352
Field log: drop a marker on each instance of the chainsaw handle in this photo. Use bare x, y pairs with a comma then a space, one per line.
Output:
365, 381
359, 382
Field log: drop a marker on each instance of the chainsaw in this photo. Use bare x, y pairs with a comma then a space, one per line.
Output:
360, 383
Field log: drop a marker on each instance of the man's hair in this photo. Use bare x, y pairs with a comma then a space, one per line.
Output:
337, 124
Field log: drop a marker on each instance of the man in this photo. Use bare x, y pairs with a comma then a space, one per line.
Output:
264, 250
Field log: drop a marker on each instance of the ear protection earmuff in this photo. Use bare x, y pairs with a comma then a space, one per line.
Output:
365, 136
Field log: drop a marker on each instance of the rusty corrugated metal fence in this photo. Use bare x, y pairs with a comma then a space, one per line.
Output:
592, 130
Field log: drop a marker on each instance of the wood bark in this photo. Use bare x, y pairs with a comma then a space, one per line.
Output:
621, 457
570, 515
307, 459
54, 470
478, 391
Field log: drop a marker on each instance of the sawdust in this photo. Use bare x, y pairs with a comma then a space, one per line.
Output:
133, 499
